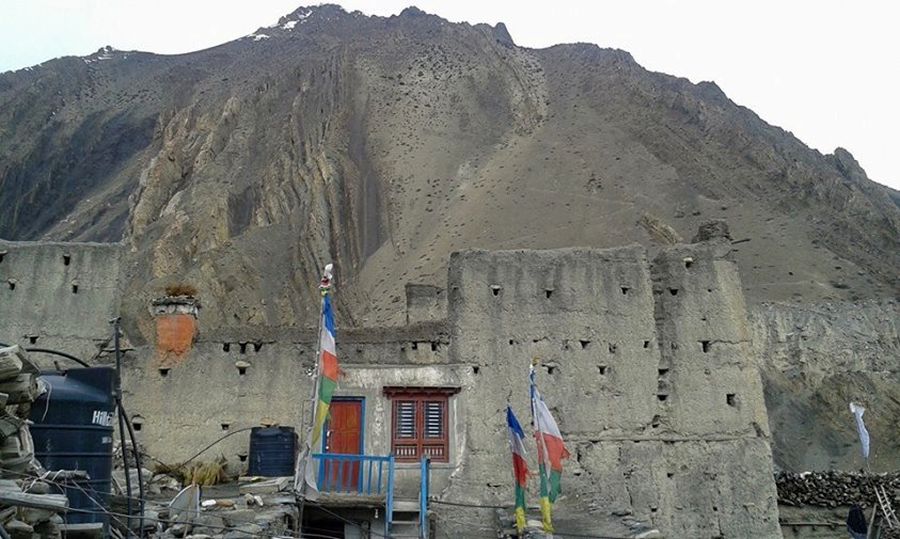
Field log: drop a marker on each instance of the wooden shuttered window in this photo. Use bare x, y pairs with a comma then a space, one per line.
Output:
419, 424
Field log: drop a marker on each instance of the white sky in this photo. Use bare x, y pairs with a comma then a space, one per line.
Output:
826, 70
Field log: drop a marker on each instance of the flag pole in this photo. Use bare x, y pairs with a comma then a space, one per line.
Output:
302, 466
542, 449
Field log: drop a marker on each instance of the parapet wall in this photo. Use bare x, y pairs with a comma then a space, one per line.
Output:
59, 295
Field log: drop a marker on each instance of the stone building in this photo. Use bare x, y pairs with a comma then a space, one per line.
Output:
646, 364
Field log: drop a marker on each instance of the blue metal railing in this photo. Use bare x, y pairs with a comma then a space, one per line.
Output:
359, 475
425, 486
362, 475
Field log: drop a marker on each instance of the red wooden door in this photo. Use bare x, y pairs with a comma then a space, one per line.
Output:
344, 436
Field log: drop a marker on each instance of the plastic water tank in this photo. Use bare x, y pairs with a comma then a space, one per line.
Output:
73, 430
273, 451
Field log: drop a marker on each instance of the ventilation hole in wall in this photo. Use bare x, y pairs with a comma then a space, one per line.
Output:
655, 421
703, 318
434, 346
654, 509
661, 397
709, 290
551, 369
257, 346
137, 422
242, 369
602, 369
12, 284
548, 292
789, 273
495, 289
673, 291
646, 344
612, 348
67, 259
32, 339
243, 346
584, 344
512, 342
242, 457
731, 399
663, 372
625, 290
414, 345
476, 369
225, 426
688, 262
704, 345
715, 509
226, 346
669, 474
164, 371
74, 288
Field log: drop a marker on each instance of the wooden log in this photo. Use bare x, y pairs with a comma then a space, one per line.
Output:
52, 502
10, 365
22, 388
27, 366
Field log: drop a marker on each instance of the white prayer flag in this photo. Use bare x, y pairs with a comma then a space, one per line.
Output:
858, 411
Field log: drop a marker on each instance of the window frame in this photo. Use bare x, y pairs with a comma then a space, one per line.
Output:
420, 442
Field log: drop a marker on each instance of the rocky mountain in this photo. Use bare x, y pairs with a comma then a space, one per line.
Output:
385, 143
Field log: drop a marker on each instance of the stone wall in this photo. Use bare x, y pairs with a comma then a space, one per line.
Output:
59, 295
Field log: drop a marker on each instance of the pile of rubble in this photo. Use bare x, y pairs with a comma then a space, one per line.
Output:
253, 508
834, 488
27, 506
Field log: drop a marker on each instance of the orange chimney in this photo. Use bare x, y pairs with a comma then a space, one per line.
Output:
176, 327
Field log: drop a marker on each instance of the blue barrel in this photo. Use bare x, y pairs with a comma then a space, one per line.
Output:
273, 451
73, 430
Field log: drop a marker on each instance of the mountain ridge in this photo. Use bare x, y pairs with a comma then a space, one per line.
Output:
385, 143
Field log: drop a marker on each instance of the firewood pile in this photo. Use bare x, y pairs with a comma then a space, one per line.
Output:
834, 488
28, 508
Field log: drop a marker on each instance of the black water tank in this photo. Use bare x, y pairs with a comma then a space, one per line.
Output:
273, 451
73, 430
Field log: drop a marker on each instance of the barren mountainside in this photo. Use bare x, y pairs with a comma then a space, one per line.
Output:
385, 143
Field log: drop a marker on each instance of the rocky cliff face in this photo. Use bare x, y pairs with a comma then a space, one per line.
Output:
816, 359
383, 144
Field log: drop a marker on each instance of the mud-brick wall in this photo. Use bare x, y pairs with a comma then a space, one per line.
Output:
233, 379
677, 438
59, 295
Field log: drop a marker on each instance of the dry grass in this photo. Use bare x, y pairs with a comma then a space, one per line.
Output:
200, 473
181, 289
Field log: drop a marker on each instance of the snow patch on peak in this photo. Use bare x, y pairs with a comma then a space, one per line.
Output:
289, 25
258, 37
